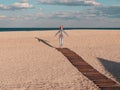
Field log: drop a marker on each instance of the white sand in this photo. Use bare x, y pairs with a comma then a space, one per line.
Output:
92, 45
27, 64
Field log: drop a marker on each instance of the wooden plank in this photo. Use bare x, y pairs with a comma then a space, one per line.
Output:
99, 79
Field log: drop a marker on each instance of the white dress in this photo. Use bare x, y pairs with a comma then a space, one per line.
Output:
61, 38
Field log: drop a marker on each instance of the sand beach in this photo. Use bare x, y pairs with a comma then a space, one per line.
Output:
29, 60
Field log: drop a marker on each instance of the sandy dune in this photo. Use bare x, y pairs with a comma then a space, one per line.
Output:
29, 62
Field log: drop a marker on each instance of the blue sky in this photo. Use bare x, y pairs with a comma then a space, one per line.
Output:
52, 13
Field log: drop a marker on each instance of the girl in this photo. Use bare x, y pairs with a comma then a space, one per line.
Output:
60, 32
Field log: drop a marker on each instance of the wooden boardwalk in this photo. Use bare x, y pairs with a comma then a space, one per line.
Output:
99, 79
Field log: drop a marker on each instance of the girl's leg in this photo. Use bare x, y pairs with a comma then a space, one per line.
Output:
60, 41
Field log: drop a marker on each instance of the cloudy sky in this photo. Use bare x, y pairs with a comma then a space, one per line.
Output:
52, 13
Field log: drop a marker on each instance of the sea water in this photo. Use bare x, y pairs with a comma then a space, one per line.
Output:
46, 29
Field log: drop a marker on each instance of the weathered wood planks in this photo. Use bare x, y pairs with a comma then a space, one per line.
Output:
99, 79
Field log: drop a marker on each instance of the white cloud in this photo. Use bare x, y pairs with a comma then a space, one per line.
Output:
109, 11
104, 11
70, 2
92, 2
2, 16
76, 19
16, 6
91, 13
63, 15
25, 17
4, 7
20, 5
66, 15
24, 1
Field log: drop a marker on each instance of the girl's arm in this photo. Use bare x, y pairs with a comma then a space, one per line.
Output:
65, 33
57, 32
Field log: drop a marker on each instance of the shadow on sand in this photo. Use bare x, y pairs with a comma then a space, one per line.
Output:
112, 67
44, 41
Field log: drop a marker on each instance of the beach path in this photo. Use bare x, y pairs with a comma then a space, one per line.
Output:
100, 80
